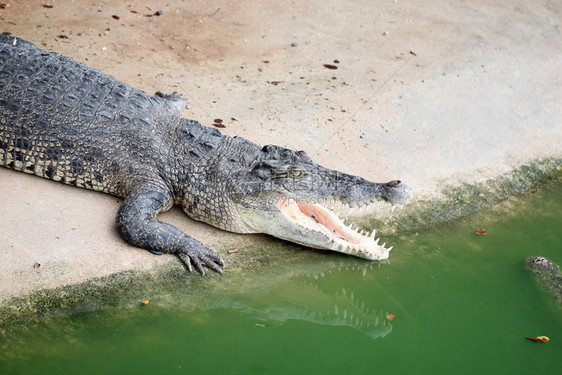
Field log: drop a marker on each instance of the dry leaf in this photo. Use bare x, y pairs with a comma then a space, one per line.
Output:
233, 251
481, 231
541, 339
145, 302
390, 316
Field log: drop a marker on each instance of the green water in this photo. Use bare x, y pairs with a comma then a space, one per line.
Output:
463, 304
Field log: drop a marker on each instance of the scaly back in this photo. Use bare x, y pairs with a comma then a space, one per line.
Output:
62, 120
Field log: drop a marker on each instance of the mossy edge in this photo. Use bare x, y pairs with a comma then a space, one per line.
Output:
456, 202
464, 199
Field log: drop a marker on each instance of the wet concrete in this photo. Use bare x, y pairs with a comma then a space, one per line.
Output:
431, 93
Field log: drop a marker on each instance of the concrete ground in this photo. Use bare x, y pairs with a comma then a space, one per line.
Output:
429, 92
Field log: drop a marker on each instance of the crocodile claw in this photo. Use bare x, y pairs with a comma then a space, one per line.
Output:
201, 257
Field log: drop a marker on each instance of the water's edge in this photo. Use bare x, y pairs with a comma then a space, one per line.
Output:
123, 288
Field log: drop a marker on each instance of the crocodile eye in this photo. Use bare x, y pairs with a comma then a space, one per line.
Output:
295, 172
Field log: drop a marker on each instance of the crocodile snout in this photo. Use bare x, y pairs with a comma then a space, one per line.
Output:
397, 192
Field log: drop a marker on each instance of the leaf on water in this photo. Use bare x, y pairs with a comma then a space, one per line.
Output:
481, 232
541, 339
390, 316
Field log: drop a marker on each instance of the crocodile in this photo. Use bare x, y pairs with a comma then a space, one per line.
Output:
548, 274
65, 121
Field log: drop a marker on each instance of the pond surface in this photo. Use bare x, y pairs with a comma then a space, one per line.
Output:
463, 303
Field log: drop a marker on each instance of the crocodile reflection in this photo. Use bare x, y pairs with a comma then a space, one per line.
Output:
311, 298
272, 297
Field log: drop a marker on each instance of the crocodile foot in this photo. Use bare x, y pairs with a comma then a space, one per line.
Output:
199, 256
136, 220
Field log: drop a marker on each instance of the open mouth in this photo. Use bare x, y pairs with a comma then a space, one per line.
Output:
316, 218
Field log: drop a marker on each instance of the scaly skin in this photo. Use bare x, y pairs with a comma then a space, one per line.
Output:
548, 274
62, 120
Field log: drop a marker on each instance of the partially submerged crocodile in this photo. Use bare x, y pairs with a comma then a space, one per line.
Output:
549, 275
62, 120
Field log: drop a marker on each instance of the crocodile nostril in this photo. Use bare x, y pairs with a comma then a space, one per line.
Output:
394, 183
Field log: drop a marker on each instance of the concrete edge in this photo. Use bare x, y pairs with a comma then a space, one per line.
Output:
129, 287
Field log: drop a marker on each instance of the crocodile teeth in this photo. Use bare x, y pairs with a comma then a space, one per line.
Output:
324, 228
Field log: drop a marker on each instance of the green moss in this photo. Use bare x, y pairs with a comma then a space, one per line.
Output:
110, 290
466, 199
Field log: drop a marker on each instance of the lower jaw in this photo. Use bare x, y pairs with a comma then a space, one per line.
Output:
378, 254
320, 220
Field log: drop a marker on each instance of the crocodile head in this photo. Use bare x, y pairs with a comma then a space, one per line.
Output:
285, 194
541, 265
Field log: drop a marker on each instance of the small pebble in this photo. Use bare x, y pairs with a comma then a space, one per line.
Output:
294, 44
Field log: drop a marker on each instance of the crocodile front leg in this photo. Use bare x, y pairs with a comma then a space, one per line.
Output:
137, 223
